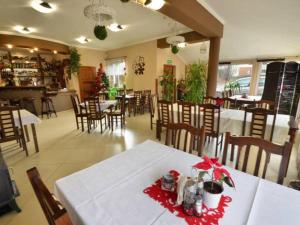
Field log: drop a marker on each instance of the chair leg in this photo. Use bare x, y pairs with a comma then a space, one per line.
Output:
24, 145
101, 126
82, 123
13, 205
216, 154
77, 125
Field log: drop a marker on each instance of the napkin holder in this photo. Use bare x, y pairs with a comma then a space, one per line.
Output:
180, 188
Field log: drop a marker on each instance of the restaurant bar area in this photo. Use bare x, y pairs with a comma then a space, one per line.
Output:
149, 112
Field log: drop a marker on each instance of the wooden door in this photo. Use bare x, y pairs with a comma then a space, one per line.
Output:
87, 80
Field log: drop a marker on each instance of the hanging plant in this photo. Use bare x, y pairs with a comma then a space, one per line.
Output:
100, 32
125, 1
175, 49
74, 60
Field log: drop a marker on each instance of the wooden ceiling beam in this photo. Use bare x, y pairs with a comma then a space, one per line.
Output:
190, 37
193, 15
30, 43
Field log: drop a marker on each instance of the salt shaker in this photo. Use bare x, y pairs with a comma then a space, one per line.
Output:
168, 182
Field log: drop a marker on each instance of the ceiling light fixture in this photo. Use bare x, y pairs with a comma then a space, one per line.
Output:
42, 6
83, 40
9, 46
23, 30
54, 51
31, 51
35, 49
182, 45
116, 27
154, 4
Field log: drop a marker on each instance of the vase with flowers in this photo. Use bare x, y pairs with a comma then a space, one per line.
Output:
213, 187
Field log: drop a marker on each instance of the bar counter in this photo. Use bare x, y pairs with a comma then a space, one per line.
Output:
61, 101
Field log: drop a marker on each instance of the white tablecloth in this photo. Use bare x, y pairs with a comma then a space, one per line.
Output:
111, 192
26, 117
249, 98
104, 104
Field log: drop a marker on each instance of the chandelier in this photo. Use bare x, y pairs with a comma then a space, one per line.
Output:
100, 13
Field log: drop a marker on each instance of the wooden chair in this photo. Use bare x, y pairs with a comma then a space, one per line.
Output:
117, 114
265, 104
79, 111
193, 138
165, 116
138, 102
120, 92
4, 102
9, 131
209, 100
94, 113
151, 109
129, 91
186, 113
229, 103
55, 213
258, 124
211, 121
247, 143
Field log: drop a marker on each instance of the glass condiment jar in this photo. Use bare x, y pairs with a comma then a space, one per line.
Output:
168, 182
189, 196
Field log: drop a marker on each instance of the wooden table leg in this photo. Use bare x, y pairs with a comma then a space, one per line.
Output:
36, 145
26, 133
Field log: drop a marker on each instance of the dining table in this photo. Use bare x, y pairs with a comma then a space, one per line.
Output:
248, 98
231, 120
112, 192
28, 119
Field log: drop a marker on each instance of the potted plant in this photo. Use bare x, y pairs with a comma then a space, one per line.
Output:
213, 188
168, 85
74, 61
195, 83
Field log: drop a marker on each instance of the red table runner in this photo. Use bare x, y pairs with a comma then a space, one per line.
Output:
168, 200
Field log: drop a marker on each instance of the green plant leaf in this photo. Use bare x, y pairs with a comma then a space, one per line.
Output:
228, 181
74, 60
201, 174
100, 32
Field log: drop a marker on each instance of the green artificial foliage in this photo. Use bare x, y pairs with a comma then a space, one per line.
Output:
105, 80
100, 32
112, 93
195, 83
167, 84
74, 60
234, 86
175, 49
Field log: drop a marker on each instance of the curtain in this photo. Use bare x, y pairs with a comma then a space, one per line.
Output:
115, 71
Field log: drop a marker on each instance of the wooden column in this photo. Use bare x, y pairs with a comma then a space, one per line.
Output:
213, 63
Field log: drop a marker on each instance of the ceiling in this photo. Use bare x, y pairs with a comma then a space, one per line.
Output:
68, 23
254, 29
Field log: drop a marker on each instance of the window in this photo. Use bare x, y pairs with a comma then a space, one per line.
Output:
262, 78
116, 72
239, 74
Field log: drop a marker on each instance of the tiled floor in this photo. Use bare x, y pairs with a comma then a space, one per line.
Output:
64, 150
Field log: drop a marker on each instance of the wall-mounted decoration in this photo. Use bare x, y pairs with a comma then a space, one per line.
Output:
139, 65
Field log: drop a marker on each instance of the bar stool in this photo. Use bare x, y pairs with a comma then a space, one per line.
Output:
47, 105
28, 104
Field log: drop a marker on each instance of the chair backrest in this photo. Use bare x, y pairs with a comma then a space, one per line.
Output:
209, 100
92, 105
147, 92
129, 91
4, 102
186, 113
258, 123
52, 209
253, 143
138, 97
265, 104
165, 112
229, 103
121, 92
185, 137
211, 118
9, 131
75, 103
123, 104
151, 105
